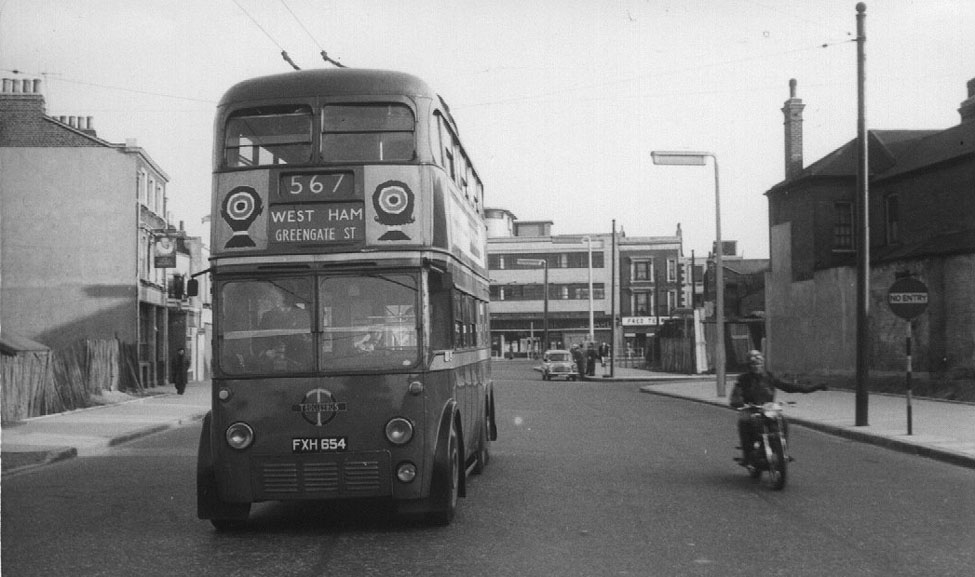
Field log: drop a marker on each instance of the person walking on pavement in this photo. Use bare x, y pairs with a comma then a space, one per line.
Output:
181, 364
592, 357
580, 359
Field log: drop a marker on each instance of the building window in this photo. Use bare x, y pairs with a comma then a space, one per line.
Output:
642, 304
892, 219
581, 260
671, 270
642, 270
843, 226
671, 302
142, 182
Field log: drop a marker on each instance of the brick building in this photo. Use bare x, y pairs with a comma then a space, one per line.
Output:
922, 223
80, 221
650, 284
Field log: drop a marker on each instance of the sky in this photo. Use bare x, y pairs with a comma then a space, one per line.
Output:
559, 102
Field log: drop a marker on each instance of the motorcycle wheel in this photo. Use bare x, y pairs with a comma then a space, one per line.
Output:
776, 463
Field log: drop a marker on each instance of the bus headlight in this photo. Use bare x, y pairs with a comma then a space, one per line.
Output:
406, 472
240, 436
399, 431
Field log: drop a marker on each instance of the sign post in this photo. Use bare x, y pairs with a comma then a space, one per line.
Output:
908, 298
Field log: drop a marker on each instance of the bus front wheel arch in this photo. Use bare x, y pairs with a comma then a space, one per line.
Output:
222, 514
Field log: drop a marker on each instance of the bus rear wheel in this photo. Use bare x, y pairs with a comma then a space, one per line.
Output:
483, 455
448, 481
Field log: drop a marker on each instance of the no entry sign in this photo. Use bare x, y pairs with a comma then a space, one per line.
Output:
907, 297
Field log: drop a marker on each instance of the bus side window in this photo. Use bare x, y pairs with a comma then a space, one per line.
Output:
440, 312
458, 320
436, 143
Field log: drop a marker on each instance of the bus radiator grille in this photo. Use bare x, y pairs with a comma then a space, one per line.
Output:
360, 475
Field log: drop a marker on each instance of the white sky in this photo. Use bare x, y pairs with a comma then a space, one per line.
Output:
558, 101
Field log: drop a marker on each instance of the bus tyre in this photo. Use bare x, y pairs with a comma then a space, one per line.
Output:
447, 481
223, 515
483, 455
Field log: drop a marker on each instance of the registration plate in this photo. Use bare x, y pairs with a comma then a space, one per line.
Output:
319, 444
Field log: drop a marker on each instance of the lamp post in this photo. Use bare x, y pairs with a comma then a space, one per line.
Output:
592, 326
542, 263
681, 157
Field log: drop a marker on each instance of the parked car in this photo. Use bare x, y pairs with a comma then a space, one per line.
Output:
558, 363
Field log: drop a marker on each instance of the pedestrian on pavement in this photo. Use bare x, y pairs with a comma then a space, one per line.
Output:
755, 387
592, 357
181, 364
580, 359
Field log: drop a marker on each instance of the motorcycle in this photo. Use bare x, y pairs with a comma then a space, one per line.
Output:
769, 452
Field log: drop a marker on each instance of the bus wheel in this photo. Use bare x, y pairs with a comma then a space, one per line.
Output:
449, 481
223, 515
483, 456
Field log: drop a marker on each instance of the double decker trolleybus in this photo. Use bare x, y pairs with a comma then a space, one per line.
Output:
351, 343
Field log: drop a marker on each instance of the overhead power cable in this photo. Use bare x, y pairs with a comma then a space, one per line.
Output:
108, 86
284, 53
325, 56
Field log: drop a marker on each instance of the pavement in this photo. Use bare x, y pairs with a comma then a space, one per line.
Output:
942, 430
39, 441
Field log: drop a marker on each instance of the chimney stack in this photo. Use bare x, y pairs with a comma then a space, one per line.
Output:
792, 110
967, 108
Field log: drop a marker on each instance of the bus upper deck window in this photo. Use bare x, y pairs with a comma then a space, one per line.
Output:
368, 133
268, 136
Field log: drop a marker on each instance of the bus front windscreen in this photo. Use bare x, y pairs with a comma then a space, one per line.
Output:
264, 137
344, 323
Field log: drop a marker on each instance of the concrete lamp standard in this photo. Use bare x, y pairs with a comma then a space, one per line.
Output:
592, 327
688, 158
591, 337
540, 262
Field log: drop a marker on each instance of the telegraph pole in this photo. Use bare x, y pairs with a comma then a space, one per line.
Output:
863, 238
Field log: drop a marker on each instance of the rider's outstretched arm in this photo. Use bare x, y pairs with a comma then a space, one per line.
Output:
796, 387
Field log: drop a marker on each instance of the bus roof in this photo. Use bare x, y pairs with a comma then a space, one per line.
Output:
327, 82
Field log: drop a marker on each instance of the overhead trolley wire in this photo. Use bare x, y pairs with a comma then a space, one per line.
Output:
284, 53
324, 54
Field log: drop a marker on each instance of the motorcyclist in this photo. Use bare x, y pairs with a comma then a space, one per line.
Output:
755, 387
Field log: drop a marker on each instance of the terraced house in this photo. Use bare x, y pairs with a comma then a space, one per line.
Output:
81, 222
921, 223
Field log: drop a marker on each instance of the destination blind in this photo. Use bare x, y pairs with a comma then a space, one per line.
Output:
331, 223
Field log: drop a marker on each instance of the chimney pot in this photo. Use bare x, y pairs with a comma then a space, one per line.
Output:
967, 108
792, 110
37, 85
73, 121
7, 85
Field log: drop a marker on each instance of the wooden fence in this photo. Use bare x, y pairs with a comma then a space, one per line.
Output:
41, 383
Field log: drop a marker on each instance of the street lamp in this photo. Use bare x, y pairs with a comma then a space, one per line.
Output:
542, 263
687, 158
592, 327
